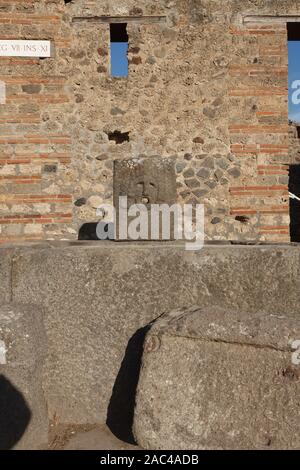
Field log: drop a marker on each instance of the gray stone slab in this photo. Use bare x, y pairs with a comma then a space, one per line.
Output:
97, 296
23, 346
215, 378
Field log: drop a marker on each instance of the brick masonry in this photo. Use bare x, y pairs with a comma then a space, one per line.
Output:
204, 89
36, 199
259, 128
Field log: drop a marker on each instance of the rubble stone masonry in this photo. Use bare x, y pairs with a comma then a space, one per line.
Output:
207, 87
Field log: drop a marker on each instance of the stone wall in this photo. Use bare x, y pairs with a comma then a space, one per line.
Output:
35, 144
205, 87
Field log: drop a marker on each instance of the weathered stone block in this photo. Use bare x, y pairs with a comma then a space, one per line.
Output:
23, 411
97, 295
219, 379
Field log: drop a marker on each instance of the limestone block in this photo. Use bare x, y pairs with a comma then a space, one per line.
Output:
219, 379
97, 295
23, 411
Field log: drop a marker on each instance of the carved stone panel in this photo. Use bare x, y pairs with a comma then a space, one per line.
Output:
144, 181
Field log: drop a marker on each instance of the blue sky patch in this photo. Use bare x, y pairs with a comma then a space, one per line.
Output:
119, 60
294, 81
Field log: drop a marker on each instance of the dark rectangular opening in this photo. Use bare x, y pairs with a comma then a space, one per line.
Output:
293, 31
118, 32
294, 189
119, 49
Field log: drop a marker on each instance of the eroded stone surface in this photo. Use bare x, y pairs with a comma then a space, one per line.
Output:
98, 296
99, 438
216, 378
145, 181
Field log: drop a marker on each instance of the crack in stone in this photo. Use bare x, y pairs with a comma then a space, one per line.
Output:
233, 343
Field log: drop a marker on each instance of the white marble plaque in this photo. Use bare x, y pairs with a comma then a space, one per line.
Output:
24, 48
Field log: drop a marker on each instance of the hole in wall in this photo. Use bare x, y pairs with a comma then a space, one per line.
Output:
118, 136
242, 218
119, 49
50, 168
118, 32
294, 188
293, 31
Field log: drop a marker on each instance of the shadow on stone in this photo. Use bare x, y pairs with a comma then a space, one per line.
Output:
88, 231
120, 412
15, 414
